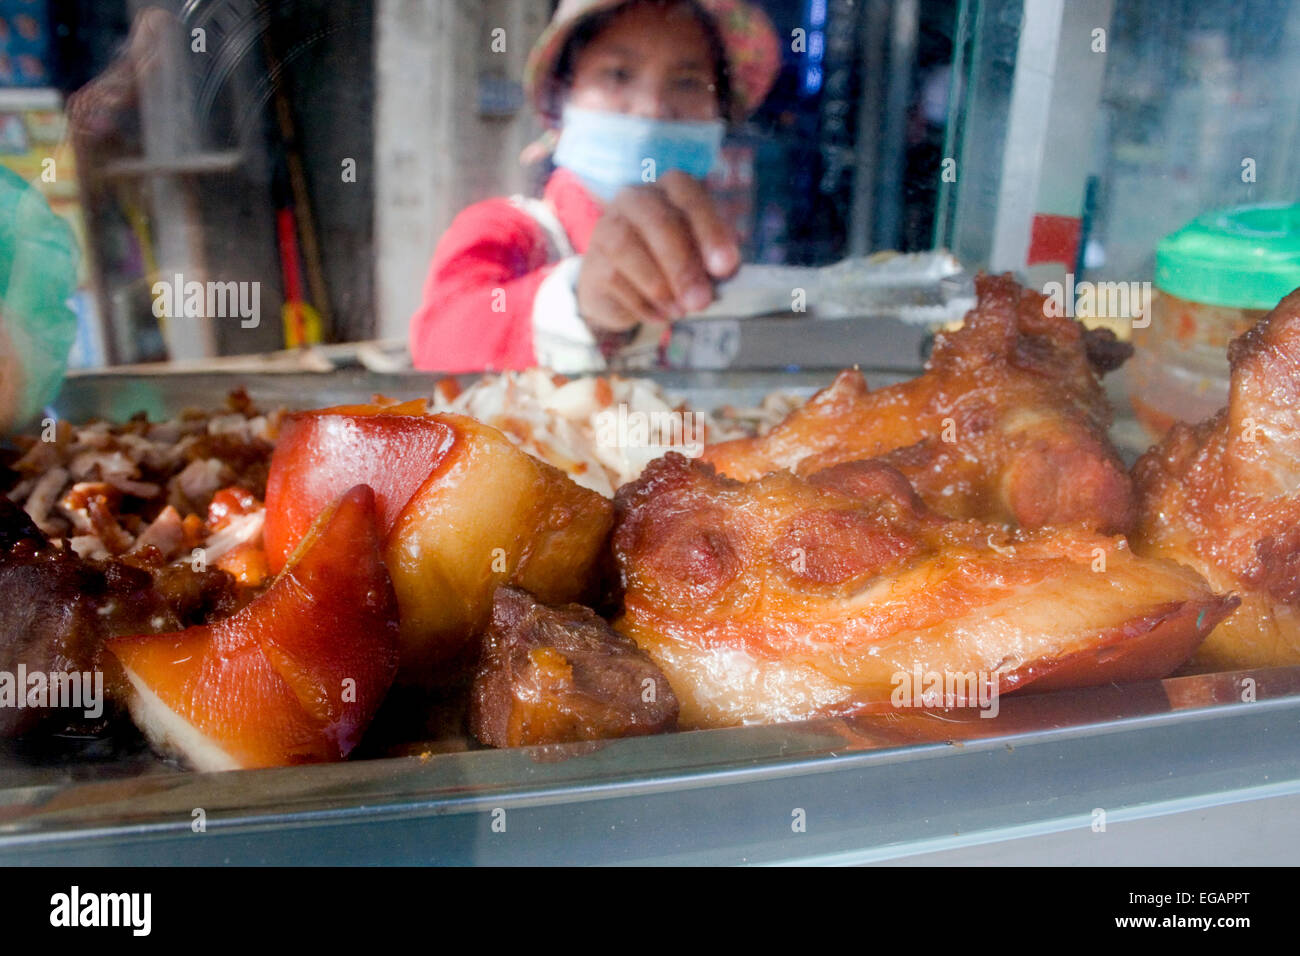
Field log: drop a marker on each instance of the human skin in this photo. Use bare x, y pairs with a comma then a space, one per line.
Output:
659, 246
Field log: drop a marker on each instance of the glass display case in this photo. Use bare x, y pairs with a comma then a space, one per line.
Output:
290, 169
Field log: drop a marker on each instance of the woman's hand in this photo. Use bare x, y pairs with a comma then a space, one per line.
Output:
654, 255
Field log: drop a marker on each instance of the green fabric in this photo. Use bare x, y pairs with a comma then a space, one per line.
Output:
1245, 258
38, 275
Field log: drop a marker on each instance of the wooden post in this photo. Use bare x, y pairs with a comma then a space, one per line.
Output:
434, 153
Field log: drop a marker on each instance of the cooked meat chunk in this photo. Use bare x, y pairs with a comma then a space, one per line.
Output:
559, 674
1106, 352
1008, 424
59, 609
16, 525
462, 511
1223, 497
787, 598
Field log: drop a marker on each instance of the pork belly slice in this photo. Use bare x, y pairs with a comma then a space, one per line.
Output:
561, 674
780, 600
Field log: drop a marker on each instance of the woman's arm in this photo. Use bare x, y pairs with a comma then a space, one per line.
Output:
477, 312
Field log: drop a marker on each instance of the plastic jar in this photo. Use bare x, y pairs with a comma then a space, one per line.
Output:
1215, 278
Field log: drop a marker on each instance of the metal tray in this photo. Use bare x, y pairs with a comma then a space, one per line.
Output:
1184, 770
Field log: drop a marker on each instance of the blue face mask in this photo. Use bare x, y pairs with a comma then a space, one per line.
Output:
610, 151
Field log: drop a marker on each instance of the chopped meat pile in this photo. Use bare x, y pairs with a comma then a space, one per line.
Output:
114, 490
554, 675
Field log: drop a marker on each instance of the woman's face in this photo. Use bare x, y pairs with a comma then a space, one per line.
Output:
652, 60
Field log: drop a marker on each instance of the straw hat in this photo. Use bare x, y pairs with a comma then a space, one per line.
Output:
752, 48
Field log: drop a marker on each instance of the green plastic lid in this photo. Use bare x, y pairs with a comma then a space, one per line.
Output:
1244, 258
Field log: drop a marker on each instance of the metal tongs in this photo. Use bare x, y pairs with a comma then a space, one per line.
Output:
928, 287
923, 289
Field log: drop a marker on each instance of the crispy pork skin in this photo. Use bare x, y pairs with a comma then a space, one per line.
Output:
561, 674
1223, 497
293, 677
1007, 424
784, 598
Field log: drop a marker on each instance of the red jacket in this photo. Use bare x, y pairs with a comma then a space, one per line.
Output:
478, 297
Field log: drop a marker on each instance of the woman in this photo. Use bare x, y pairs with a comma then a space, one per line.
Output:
625, 239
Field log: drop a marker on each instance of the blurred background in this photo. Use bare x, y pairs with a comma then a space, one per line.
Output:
321, 147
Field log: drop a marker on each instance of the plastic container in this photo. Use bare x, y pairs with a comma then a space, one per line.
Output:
1215, 278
